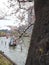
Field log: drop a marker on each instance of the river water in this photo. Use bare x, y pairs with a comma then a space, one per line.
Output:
15, 53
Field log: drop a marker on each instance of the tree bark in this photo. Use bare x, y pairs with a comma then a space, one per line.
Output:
40, 32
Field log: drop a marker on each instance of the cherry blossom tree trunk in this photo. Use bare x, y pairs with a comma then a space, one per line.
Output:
40, 34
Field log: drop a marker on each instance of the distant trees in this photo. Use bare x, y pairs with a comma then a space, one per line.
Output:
2, 34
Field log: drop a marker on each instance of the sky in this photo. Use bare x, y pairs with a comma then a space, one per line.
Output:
5, 23
8, 23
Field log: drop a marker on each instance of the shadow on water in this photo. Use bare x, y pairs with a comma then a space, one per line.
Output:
12, 47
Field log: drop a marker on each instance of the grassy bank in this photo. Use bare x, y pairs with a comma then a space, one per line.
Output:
4, 61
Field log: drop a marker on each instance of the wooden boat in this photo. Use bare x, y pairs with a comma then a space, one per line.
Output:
12, 42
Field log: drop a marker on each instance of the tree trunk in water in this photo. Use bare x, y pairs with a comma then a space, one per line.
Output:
40, 35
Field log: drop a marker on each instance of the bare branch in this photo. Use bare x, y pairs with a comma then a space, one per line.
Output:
26, 30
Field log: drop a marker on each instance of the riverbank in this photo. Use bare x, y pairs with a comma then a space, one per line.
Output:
4, 60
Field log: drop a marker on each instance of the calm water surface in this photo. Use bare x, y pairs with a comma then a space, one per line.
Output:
15, 53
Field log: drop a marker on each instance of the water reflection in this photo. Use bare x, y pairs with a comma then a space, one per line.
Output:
18, 53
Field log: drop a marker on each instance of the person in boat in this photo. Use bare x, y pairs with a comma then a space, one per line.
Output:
12, 42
